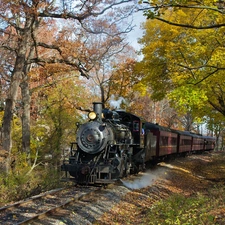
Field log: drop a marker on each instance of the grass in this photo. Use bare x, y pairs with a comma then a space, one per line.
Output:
194, 210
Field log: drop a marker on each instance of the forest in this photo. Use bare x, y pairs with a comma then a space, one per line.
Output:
57, 57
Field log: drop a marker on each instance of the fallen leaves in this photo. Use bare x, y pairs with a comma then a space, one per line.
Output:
191, 190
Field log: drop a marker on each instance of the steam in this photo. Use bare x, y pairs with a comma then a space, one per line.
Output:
115, 104
146, 180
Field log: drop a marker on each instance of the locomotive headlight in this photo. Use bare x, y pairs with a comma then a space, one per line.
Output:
92, 115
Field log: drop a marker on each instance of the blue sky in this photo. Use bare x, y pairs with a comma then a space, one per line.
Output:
133, 36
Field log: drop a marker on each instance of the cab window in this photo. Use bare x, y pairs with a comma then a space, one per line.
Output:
136, 126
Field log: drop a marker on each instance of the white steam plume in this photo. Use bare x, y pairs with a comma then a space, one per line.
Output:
115, 104
146, 180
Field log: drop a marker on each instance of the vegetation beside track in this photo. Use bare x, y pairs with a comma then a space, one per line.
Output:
17, 186
191, 192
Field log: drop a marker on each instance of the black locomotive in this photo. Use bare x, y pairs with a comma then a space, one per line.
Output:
114, 144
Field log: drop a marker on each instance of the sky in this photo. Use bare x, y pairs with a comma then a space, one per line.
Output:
136, 33
133, 36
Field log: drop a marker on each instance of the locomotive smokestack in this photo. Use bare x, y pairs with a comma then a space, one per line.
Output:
97, 106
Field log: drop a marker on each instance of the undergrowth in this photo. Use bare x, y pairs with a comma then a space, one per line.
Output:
201, 208
17, 186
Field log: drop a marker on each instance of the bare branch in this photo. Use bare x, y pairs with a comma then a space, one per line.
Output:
190, 26
87, 13
83, 110
191, 71
156, 7
78, 65
55, 47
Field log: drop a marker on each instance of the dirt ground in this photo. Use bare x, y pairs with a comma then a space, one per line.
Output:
187, 176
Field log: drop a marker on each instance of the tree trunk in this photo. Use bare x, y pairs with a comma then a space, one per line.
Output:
8, 116
6, 133
26, 119
102, 96
17, 76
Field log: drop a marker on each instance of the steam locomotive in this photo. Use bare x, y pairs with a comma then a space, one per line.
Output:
114, 144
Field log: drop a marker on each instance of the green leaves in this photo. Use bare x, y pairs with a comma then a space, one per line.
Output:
188, 97
179, 209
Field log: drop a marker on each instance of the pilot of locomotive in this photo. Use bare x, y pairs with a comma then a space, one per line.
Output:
102, 151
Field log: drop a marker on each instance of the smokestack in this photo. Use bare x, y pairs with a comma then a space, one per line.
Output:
97, 106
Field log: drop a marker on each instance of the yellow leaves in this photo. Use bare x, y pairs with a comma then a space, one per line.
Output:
218, 56
181, 13
177, 58
141, 88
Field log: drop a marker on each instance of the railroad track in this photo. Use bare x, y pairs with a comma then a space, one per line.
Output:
31, 209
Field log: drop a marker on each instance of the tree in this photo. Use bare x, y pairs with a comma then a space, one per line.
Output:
184, 64
124, 78
57, 114
106, 51
21, 23
118, 78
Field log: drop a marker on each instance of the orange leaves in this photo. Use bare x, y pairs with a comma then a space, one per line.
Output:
124, 78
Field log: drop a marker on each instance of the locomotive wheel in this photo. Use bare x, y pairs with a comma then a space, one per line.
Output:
134, 169
125, 168
122, 170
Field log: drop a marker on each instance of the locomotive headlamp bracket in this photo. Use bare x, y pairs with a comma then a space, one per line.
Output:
92, 115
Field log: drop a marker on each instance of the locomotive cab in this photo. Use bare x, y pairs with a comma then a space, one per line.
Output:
137, 127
